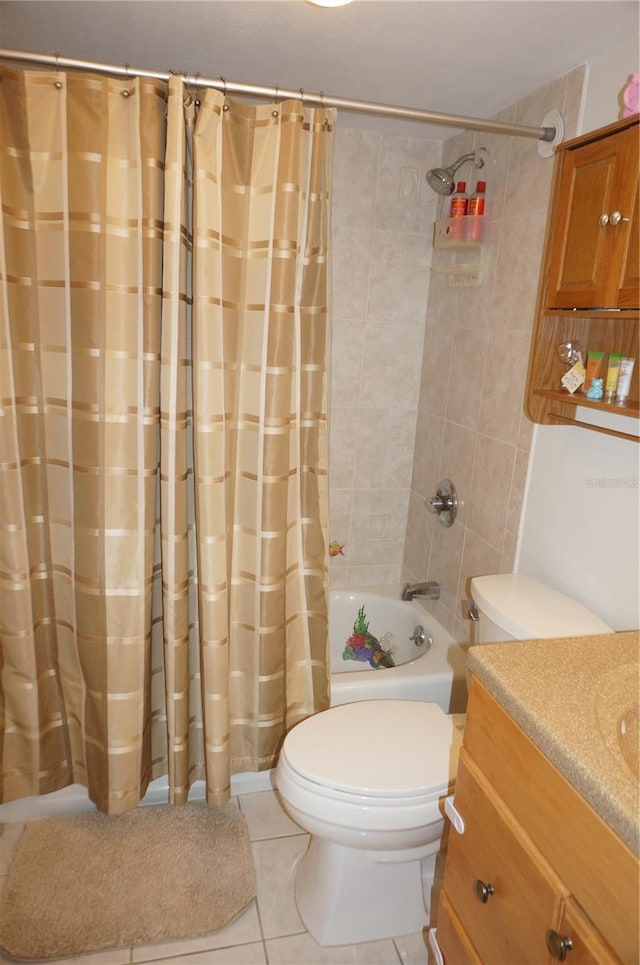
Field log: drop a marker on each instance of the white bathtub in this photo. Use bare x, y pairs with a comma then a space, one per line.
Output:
432, 672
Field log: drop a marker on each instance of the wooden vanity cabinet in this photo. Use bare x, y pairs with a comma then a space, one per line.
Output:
590, 281
536, 868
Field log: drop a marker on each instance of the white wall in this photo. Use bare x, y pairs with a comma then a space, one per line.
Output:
580, 529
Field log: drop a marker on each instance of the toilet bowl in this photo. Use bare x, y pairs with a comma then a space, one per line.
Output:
367, 780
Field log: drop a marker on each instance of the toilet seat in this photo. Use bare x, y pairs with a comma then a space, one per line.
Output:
385, 752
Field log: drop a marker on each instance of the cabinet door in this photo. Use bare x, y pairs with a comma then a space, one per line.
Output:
504, 893
628, 296
577, 941
454, 943
588, 261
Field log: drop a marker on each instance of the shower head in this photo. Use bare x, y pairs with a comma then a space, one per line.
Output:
442, 179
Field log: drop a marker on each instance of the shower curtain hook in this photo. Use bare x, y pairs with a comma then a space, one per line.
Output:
325, 123
196, 96
57, 84
275, 112
225, 106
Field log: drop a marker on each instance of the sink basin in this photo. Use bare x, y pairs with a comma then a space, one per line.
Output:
617, 717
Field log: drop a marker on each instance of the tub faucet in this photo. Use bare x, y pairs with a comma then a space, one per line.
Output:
421, 591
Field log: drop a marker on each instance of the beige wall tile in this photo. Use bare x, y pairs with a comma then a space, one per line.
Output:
436, 366
465, 379
428, 456
417, 540
350, 265
355, 171
447, 545
404, 201
343, 438
503, 387
458, 453
384, 448
366, 548
391, 368
347, 351
399, 278
490, 489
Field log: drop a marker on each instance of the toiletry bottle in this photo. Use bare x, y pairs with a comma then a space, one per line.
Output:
476, 201
475, 228
459, 201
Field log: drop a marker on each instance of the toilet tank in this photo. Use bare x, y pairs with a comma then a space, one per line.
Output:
512, 606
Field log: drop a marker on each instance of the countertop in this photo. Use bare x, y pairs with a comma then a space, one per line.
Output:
570, 696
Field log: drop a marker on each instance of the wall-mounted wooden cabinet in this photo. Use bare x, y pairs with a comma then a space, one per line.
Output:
590, 283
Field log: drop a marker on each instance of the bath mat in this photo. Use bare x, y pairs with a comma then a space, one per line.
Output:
85, 882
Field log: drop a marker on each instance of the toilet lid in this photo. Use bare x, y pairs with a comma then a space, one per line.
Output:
390, 748
528, 610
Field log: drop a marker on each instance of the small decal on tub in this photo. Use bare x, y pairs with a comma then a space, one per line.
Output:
363, 646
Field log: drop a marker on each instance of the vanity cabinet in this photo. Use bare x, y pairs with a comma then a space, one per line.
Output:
590, 281
536, 876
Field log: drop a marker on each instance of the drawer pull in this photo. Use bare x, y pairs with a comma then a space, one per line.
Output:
454, 815
558, 944
482, 891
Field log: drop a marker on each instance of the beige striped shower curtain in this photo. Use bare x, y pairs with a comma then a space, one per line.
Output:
163, 498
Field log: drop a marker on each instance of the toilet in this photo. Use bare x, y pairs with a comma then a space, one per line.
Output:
368, 780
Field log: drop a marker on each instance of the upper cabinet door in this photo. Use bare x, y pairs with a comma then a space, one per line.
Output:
594, 250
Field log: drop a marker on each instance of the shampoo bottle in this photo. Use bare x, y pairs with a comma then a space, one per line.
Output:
459, 201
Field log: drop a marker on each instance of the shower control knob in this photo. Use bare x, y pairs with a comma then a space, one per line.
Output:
482, 890
444, 504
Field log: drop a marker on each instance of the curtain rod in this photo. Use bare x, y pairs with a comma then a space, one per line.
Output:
319, 99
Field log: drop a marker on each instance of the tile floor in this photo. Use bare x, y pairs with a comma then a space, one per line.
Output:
270, 932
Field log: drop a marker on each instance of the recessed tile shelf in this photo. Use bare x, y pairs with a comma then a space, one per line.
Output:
459, 250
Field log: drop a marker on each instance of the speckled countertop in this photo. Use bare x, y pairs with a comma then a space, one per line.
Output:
573, 696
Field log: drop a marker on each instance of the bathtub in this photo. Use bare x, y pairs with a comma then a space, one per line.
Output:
434, 670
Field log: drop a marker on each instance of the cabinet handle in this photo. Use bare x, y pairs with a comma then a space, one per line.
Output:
482, 891
558, 944
613, 219
616, 217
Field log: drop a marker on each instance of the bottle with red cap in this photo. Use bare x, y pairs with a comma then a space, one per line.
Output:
475, 209
476, 201
459, 201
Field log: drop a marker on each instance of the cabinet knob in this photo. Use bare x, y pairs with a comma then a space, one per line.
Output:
613, 219
616, 217
558, 944
482, 891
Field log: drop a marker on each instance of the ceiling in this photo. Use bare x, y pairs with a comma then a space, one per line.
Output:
471, 57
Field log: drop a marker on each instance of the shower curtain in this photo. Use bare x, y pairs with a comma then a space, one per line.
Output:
163, 503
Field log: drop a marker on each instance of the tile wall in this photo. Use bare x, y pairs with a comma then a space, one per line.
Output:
383, 213
470, 424
427, 380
